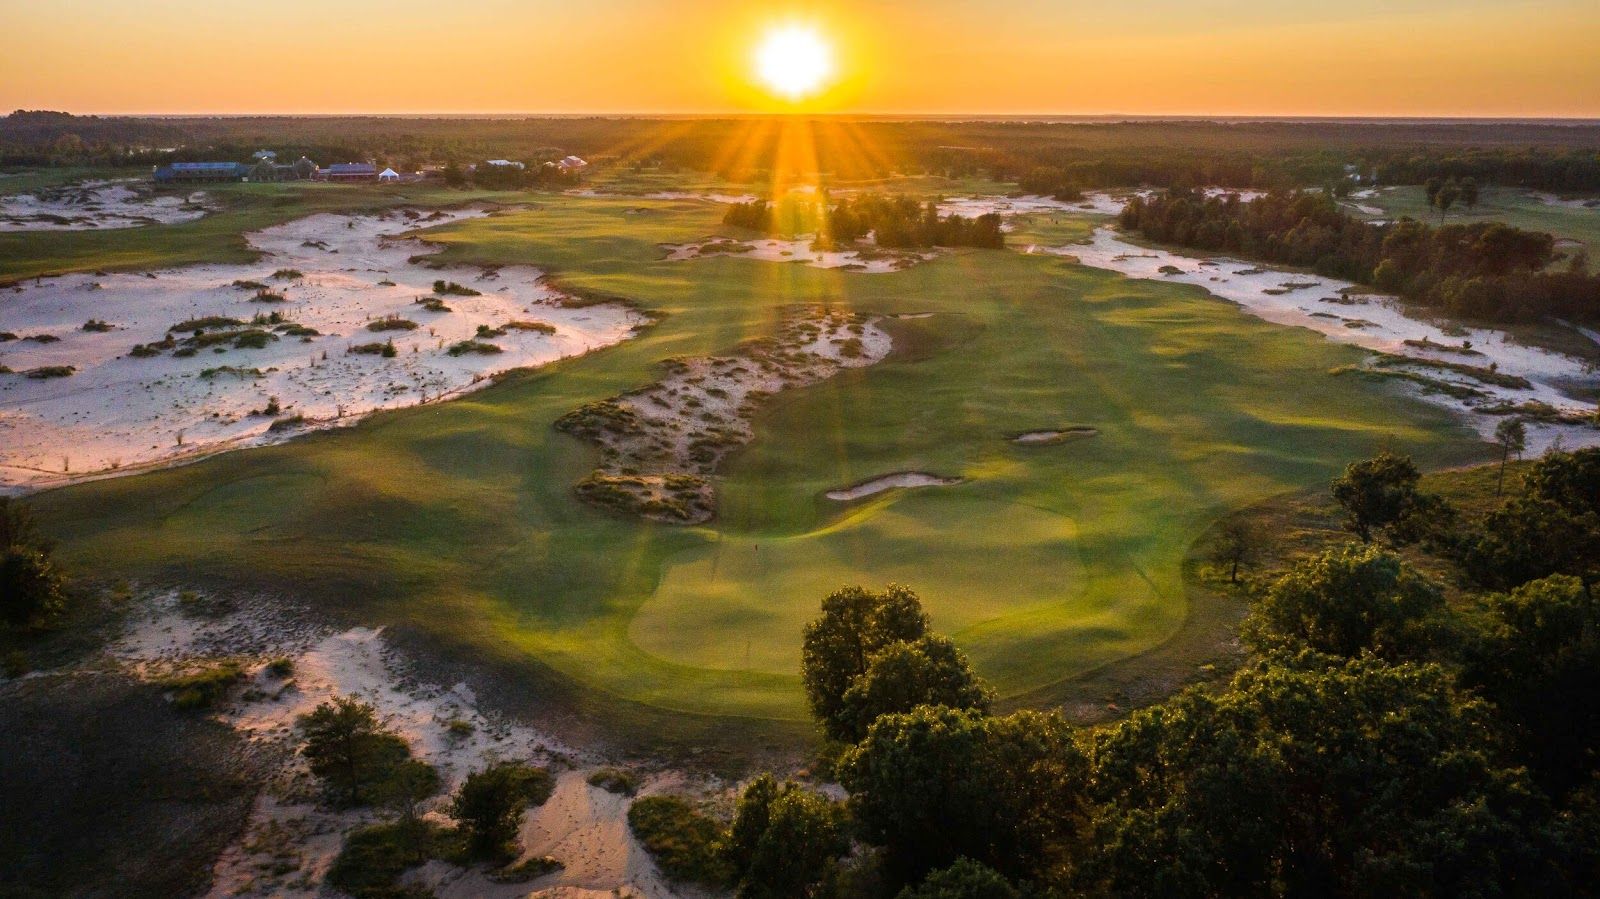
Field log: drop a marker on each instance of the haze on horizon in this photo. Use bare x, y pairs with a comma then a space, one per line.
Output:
1469, 58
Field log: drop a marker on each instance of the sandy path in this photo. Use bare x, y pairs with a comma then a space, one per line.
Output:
904, 479
119, 411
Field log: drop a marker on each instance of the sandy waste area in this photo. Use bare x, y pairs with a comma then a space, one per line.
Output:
101, 205
113, 372
291, 839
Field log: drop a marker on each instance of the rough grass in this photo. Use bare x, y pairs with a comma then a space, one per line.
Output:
685, 843
458, 520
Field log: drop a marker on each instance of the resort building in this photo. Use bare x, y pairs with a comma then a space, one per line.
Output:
191, 172
572, 164
349, 171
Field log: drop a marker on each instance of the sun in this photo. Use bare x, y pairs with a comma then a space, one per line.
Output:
794, 61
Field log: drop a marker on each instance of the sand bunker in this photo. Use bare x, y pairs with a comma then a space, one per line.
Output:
1093, 202
868, 259
99, 205
174, 364
1043, 438
1550, 199
1480, 372
660, 444
904, 479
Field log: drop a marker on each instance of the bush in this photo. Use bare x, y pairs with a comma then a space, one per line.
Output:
490, 803
32, 589
451, 288
204, 688
473, 346
392, 323
615, 780
50, 371
373, 858
685, 844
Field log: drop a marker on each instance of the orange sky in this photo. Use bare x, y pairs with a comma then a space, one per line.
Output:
1199, 57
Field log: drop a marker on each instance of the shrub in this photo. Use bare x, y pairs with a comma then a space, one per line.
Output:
265, 295
473, 346
490, 803
615, 780
685, 844
373, 858
50, 371
204, 688
451, 288
538, 327
349, 750
288, 274
32, 589
95, 324
392, 323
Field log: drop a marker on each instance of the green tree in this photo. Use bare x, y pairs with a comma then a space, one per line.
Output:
1537, 659
902, 676
1350, 600
1310, 776
349, 750
18, 526
32, 589
408, 783
1376, 492
1531, 537
966, 879
1234, 545
935, 784
1469, 192
855, 623
800, 834
490, 804
1512, 436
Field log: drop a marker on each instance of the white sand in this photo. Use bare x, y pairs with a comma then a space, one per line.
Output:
1035, 438
291, 841
705, 197
870, 261
1094, 202
1375, 322
904, 479
1550, 199
119, 412
98, 205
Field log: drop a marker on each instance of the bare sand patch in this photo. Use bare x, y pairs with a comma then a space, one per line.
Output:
99, 205
340, 317
660, 443
866, 259
1046, 437
291, 840
896, 481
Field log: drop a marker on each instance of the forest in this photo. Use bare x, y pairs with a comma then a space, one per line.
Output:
1480, 270
1087, 154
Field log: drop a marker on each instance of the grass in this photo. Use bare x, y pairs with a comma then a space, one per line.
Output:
1507, 204
685, 843
457, 522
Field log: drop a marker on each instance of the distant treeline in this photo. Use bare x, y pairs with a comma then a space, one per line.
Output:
1481, 270
1084, 154
897, 221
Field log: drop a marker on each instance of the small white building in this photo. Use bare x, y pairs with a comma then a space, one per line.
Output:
571, 164
389, 176
505, 164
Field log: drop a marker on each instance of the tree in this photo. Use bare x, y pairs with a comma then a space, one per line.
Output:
855, 623
349, 750
1469, 192
1512, 436
1531, 537
408, 783
935, 784
783, 839
966, 879
32, 589
902, 676
1446, 197
1537, 659
1376, 492
1347, 601
1313, 776
1235, 545
18, 527
490, 803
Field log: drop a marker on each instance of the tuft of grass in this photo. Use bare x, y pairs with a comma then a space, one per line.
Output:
685, 843
392, 323
473, 346
373, 858
204, 687
615, 780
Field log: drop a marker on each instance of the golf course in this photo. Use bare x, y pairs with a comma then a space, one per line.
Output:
458, 520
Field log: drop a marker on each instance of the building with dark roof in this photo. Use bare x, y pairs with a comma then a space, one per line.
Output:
192, 172
349, 171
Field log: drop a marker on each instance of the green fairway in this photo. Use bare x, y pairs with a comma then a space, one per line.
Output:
458, 520
1513, 206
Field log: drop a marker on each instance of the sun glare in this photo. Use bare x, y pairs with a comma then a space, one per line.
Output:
794, 61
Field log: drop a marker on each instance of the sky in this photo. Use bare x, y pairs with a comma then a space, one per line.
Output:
1493, 58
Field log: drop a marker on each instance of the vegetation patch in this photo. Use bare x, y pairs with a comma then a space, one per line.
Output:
685, 842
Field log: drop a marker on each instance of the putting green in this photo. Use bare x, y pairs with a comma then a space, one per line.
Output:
458, 520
